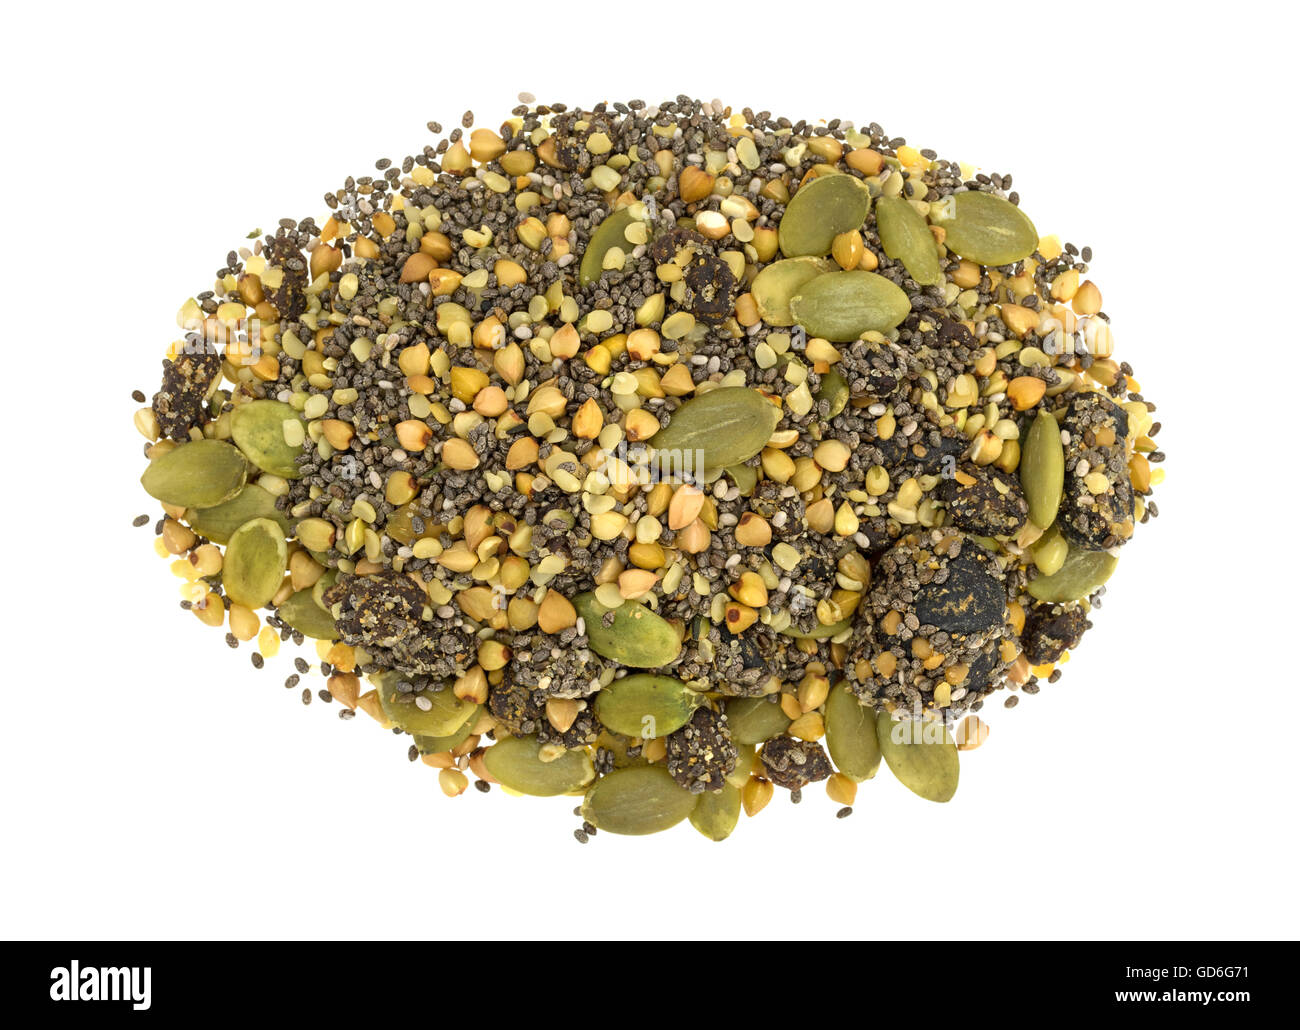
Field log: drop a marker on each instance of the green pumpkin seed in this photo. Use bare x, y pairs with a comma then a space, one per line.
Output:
220, 522
1080, 574
841, 306
773, 287
636, 801
306, 616
753, 720
820, 210
636, 637
747, 763
646, 706
254, 564
922, 754
745, 477
984, 228
716, 813
1042, 469
445, 713
258, 430
907, 238
201, 474
834, 390
436, 745
851, 735
610, 233
717, 429
819, 632
323, 584
515, 762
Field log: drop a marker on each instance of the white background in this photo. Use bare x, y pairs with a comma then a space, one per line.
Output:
152, 784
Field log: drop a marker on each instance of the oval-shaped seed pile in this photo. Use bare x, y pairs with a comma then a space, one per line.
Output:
656, 457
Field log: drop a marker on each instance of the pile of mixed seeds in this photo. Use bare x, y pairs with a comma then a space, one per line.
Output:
660, 456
